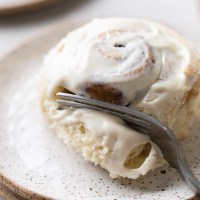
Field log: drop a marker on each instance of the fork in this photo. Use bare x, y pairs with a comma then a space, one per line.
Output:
158, 132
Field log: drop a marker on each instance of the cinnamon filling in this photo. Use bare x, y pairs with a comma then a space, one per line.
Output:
104, 93
119, 45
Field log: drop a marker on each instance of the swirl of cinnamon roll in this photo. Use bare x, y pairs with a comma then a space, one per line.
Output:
116, 65
127, 66
136, 63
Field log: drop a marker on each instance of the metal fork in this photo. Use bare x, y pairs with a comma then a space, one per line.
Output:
158, 132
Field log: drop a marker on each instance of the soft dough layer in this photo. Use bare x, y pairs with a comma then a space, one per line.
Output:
123, 61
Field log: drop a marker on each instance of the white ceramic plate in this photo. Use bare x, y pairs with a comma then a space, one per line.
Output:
18, 6
33, 161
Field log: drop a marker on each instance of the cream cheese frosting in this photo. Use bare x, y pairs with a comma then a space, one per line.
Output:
148, 67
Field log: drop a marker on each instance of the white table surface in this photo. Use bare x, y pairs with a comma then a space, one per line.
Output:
181, 15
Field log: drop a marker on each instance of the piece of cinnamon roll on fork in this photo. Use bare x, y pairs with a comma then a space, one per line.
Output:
136, 63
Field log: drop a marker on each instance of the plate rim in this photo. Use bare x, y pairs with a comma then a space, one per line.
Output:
6, 193
26, 6
11, 188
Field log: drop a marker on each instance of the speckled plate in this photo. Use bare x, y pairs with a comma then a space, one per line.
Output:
35, 164
8, 7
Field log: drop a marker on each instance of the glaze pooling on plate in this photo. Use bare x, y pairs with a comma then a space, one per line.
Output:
62, 173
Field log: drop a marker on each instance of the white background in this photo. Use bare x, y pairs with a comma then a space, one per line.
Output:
181, 15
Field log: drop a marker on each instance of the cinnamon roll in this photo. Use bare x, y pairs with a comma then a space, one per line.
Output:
125, 61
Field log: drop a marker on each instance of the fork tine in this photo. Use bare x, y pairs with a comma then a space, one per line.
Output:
104, 105
134, 122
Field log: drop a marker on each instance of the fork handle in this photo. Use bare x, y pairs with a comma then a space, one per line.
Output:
186, 173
